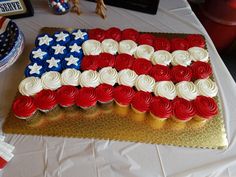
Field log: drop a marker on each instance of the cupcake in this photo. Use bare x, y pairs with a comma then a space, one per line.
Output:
141, 102
160, 73
179, 44
62, 37
66, 95
161, 43
181, 73
53, 64
130, 34
199, 54
146, 39
96, 34
201, 70
113, 33
127, 77
70, 76
44, 41
206, 108
206, 87
51, 80
58, 51
183, 110
108, 75
89, 78
123, 61
196, 40
30, 86
123, 95
104, 93
110, 46
145, 83
75, 49
24, 107
144, 51
127, 47
71, 61
90, 62
79, 36
161, 57
34, 69
181, 57
86, 98
105, 60
38, 55
142, 66
186, 90
92, 47
165, 89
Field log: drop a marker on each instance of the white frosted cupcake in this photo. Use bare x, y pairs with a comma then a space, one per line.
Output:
70, 77
127, 77
127, 46
206, 87
186, 90
165, 89
108, 75
110, 46
161, 57
145, 83
89, 78
199, 54
181, 57
92, 47
30, 86
51, 80
144, 51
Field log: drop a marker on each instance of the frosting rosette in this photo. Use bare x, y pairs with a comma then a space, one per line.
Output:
161, 43
130, 34
45, 100
142, 66
179, 44
201, 70
186, 90
106, 59
24, 107
160, 73
144, 51
195, 40
181, 57
66, 95
30, 86
205, 107
165, 89
70, 77
86, 97
90, 62
199, 54
145, 83
124, 61
92, 47
127, 46
51, 80
141, 101
161, 107
146, 39
108, 75
127, 77
89, 78
104, 93
181, 73
113, 33
206, 87
110, 46
97, 34
123, 95
161, 57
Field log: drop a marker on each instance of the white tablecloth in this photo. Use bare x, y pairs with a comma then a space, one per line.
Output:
37, 156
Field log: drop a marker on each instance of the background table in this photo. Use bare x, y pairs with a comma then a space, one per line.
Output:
37, 156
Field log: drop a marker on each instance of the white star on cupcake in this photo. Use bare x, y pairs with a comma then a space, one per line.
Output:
35, 69
61, 36
53, 62
44, 40
79, 34
59, 49
72, 60
75, 48
38, 54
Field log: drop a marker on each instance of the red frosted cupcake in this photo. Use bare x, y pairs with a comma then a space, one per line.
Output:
24, 107
45, 100
183, 110
123, 95
196, 40
66, 95
104, 93
106, 59
179, 44
160, 73
130, 34
113, 33
206, 108
90, 62
201, 70
142, 66
86, 97
146, 39
160, 108
181, 73
97, 34
123, 61
141, 102
161, 43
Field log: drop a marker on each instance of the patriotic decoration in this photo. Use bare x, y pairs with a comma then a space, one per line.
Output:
59, 6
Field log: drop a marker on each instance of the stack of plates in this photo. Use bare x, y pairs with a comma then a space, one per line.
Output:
11, 43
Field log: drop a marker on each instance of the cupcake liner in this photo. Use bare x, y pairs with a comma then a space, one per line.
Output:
180, 121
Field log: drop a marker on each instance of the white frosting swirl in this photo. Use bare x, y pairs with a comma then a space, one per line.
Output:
186, 90
144, 51
89, 78
108, 75
51, 80
161, 57
206, 87
127, 46
110, 46
165, 89
30, 86
199, 54
127, 77
91, 47
70, 77
181, 57
145, 83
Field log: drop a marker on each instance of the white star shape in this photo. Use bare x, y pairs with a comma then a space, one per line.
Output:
61, 36
75, 48
53, 62
45, 40
35, 69
59, 49
79, 34
72, 60
38, 54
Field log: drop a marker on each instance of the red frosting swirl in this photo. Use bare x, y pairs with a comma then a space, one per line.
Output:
183, 109
124, 61
130, 34
161, 43
141, 101
104, 93
196, 40
142, 66
161, 107
90, 62
23, 106
106, 59
113, 33
86, 97
66, 95
146, 39
179, 44
123, 94
201, 70
181, 73
97, 34
45, 100
160, 73
206, 107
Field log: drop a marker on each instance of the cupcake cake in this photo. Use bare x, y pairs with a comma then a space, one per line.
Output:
123, 95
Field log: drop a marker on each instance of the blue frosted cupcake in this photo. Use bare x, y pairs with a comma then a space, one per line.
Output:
53, 64
79, 36
75, 49
38, 55
44, 41
34, 69
58, 51
62, 37
71, 61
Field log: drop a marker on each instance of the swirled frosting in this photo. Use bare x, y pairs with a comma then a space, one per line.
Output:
110, 46
161, 57
165, 89
186, 90
127, 46
127, 77
89, 78
145, 83
70, 77
181, 57
206, 87
199, 54
92, 47
108, 75
51, 80
30, 86
144, 51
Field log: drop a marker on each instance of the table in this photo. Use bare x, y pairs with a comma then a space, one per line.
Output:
37, 156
